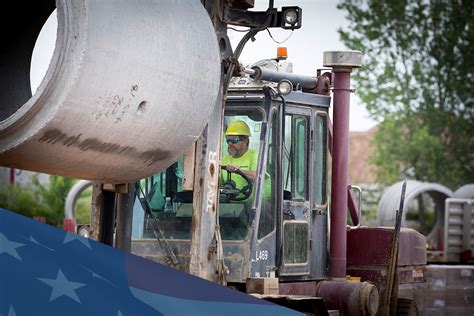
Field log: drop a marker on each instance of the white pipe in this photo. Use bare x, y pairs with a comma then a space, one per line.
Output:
72, 197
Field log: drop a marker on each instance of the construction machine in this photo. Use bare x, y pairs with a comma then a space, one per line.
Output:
271, 237
283, 236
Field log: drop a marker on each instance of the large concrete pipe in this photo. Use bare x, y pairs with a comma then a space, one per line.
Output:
465, 192
130, 86
390, 201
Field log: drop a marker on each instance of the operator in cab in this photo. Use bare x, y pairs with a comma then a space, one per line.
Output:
240, 156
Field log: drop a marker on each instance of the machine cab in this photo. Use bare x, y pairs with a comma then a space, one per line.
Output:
274, 223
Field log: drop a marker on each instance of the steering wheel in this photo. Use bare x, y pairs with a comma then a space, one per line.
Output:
230, 192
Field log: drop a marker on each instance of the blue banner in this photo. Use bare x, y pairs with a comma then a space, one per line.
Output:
48, 271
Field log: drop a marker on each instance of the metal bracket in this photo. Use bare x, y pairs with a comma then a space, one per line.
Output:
117, 188
258, 18
321, 212
247, 18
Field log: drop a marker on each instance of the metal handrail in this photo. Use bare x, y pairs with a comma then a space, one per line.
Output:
359, 207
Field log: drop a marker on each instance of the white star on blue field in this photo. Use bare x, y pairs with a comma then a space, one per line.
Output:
9, 247
72, 237
62, 286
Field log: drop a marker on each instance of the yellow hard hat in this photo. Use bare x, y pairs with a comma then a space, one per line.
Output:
238, 128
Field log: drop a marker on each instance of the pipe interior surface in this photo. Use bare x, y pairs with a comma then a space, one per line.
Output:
19, 36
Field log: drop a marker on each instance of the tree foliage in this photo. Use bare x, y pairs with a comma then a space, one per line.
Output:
53, 197
418, 81
19, 200
38, 200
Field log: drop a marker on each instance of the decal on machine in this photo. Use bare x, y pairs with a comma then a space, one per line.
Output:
211, 186
261, 255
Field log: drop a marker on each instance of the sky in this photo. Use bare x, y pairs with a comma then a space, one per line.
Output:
320, 22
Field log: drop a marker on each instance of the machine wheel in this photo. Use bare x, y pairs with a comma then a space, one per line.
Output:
406, 307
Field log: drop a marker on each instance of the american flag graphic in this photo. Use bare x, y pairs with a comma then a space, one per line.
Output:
48, 271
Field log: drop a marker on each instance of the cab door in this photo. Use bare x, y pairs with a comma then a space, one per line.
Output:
296, 209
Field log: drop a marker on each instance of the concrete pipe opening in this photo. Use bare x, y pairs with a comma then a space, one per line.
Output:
423, 209
19, 35
130, 86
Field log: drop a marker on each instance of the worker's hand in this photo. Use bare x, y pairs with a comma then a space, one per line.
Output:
232, 168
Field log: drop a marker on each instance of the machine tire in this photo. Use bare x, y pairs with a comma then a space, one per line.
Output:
406, 307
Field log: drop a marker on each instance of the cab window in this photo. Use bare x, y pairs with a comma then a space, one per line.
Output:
240, 148
320, 193
267, 214
170, 205
173, 206
295, 157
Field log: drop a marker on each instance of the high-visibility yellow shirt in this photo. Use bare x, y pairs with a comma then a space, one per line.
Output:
246, 162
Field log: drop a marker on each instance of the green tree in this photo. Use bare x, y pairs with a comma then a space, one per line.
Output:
417, 81
20, 200
38, 200
53, 197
